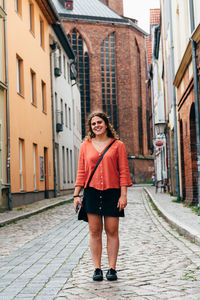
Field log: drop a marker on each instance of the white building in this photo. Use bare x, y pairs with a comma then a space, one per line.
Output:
158, 107
66, 111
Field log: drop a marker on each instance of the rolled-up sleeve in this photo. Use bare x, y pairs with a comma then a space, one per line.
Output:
80, 178
124, 173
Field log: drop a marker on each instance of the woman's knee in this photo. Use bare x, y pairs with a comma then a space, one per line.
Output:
111, 231
95, 227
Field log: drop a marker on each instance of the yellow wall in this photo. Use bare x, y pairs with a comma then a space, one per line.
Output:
27, 121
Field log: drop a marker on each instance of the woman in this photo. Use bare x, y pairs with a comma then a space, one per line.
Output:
107, 193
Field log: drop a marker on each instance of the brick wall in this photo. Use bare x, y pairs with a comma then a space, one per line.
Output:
116, 5
188, 141
130, 46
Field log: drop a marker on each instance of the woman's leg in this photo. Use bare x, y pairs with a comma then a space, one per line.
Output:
95, 228
112, 232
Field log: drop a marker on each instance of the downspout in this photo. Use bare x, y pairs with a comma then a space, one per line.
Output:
174, 108
53, 127
9, 199
196, 96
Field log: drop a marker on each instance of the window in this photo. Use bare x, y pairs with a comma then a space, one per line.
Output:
44, 101
33, 87
56, 107
35, 166
21, 163
61, 111
31, 17
57, 61
67, 154
64, 66
71, 166
18, 6
66, 119
108, 78
83, 67
41, 33
64, 164
20, 86
68, 72
70, 124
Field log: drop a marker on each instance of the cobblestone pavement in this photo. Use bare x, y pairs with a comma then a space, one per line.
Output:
154, 261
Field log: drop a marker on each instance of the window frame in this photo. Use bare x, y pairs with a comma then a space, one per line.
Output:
31, 17
44, 97
42, 39
20, 75
33, 88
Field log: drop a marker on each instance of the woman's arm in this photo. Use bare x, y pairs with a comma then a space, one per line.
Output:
122, 202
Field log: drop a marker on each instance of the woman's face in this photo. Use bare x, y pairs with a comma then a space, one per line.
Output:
98, 126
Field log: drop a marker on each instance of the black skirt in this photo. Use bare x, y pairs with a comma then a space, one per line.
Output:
103, 203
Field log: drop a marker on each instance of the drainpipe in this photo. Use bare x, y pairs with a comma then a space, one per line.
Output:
174, 108
52, 50
9, 199
196, 97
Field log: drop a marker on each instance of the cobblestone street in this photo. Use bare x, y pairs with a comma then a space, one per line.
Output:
154, 262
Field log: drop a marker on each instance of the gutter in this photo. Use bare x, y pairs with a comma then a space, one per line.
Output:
9, 199
174, 108
53, 128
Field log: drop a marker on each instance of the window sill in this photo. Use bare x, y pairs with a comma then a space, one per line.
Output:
20, 95
35, 105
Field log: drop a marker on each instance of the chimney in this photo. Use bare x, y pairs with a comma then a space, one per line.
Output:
69, 4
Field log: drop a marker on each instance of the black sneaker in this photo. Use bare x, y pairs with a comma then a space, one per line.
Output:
98, 275
111, 275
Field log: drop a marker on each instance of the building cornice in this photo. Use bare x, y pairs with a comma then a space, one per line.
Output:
49, 11
3, 86
2, 12
183, 65
187, 57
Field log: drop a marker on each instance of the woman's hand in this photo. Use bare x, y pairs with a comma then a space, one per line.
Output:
122, 202
77, 203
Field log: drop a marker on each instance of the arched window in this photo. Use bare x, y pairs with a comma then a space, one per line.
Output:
83, 68
108, 78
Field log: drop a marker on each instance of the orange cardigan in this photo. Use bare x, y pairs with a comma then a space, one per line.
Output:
112, 172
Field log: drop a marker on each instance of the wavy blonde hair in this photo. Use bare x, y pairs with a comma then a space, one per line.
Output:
110, 130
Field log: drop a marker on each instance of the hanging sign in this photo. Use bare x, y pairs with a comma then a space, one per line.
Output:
158, 143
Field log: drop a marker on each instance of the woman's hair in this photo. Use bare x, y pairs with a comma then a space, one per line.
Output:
110, 130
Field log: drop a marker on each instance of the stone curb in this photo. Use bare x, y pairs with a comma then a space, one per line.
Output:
33, 212
187, 231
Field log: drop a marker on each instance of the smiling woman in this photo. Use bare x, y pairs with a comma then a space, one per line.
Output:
105, 193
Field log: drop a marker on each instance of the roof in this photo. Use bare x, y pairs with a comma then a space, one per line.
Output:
90, 10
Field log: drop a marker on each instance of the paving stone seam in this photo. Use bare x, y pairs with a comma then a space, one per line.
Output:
174, 237
36, 262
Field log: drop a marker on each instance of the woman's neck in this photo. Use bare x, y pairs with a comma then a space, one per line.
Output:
101, 138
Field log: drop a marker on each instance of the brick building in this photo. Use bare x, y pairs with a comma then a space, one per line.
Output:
112, 72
